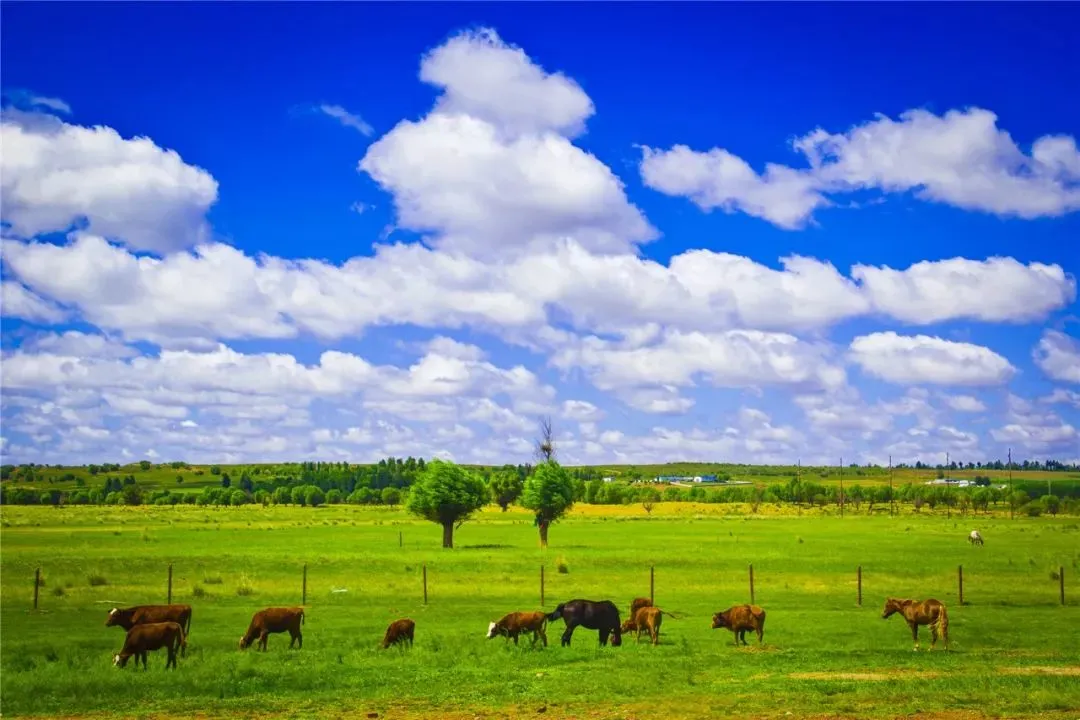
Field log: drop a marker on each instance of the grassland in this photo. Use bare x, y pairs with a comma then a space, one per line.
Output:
1015, 652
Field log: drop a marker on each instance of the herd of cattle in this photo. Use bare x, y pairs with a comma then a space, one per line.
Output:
152, 627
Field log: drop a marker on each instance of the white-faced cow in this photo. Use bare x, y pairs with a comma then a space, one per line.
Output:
975, 538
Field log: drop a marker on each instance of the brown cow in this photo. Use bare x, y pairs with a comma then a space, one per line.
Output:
921, 612
128, 618
145, 637
739, 619
399, 631
647, 618
636, 604
513, 624
275, 620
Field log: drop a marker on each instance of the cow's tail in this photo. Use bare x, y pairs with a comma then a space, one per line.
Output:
187, 629
301, 616
943, 625
671, 614
556, 613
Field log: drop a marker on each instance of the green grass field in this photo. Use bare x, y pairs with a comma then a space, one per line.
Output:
1015, 652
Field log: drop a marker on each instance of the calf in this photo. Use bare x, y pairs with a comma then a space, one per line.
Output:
399, 632
739, 619
515, 623
636, 604
128, 618
975, 538
145, 637
274, 620
647, 618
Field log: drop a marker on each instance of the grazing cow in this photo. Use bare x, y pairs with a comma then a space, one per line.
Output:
515, 623
647, 618
921, 612
274, 620
145, 637
601, 615
975, 538
399, 632
128, 618
739, 619
636, 604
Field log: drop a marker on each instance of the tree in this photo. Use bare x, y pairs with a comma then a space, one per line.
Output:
447, 494
1052, 504
391, 496
145, 465
545, 444
549, 492
506, 487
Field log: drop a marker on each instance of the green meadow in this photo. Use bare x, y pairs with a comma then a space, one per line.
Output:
1014, 650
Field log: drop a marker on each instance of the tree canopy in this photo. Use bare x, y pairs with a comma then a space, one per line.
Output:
549, 492
447, 494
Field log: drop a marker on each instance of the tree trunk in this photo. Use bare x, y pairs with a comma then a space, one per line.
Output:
543, 534
448, 535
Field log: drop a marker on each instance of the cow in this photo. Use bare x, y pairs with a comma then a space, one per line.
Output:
513, 624
975, 538
740, 618
647, 618
636, 604
600, 615
128, 618
144, 637
274, 620
399, 632
921, 612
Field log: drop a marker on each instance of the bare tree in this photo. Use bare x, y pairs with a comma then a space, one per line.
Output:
545, 444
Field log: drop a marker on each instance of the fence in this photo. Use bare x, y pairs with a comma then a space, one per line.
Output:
652, 584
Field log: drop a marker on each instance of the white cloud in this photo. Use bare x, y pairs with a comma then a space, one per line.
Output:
582, 411
1058, 355
1061, 395
346, 118
923, 359
18, 302
960, 158
965, 403
53, 173
994, 290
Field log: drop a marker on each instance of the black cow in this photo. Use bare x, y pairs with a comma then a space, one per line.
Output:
599, 615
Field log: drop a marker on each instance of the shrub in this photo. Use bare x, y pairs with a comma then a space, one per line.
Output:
58, 591
244, 587
97, 580
198, 591
212, 580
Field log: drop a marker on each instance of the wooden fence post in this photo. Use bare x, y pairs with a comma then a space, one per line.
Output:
37, 584
425, 583
169, 598
541, 586
960, 581
400, 539
1061, 583
303, 591
751, 583
652, 585
860, 586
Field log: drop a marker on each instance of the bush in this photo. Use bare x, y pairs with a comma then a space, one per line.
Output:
97, 580
198, 591
212, 580
244, 587
333, 497
58, 591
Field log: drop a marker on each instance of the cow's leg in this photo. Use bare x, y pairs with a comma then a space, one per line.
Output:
604, 632
543, 635
516, 638
933, 635
568, 633
263, 637
914, 634
760, 635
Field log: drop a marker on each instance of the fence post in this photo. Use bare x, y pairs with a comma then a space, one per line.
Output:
1061, 583
400, 539
960, 581
652, 585
303, 595
860, 586
169, 600
541, 586
751, 583
37, 584
425, 583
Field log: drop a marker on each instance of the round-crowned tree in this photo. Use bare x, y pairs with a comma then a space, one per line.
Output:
506, 486
549, 492
447, 494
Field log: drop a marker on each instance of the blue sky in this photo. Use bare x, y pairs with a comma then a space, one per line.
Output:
239, 232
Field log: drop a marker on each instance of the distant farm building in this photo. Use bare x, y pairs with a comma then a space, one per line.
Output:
951, 482
685, 478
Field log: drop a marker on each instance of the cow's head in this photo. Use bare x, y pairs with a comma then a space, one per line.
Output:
720, 620
119, 660
628, 625
493, 630
113, 615
245, 642
616, 637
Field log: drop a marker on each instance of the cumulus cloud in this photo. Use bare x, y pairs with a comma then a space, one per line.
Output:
965, 403
960, 158
918, 359
18, 302
54, 175
1058, 355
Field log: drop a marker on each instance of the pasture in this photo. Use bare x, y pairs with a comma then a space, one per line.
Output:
1014, 651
